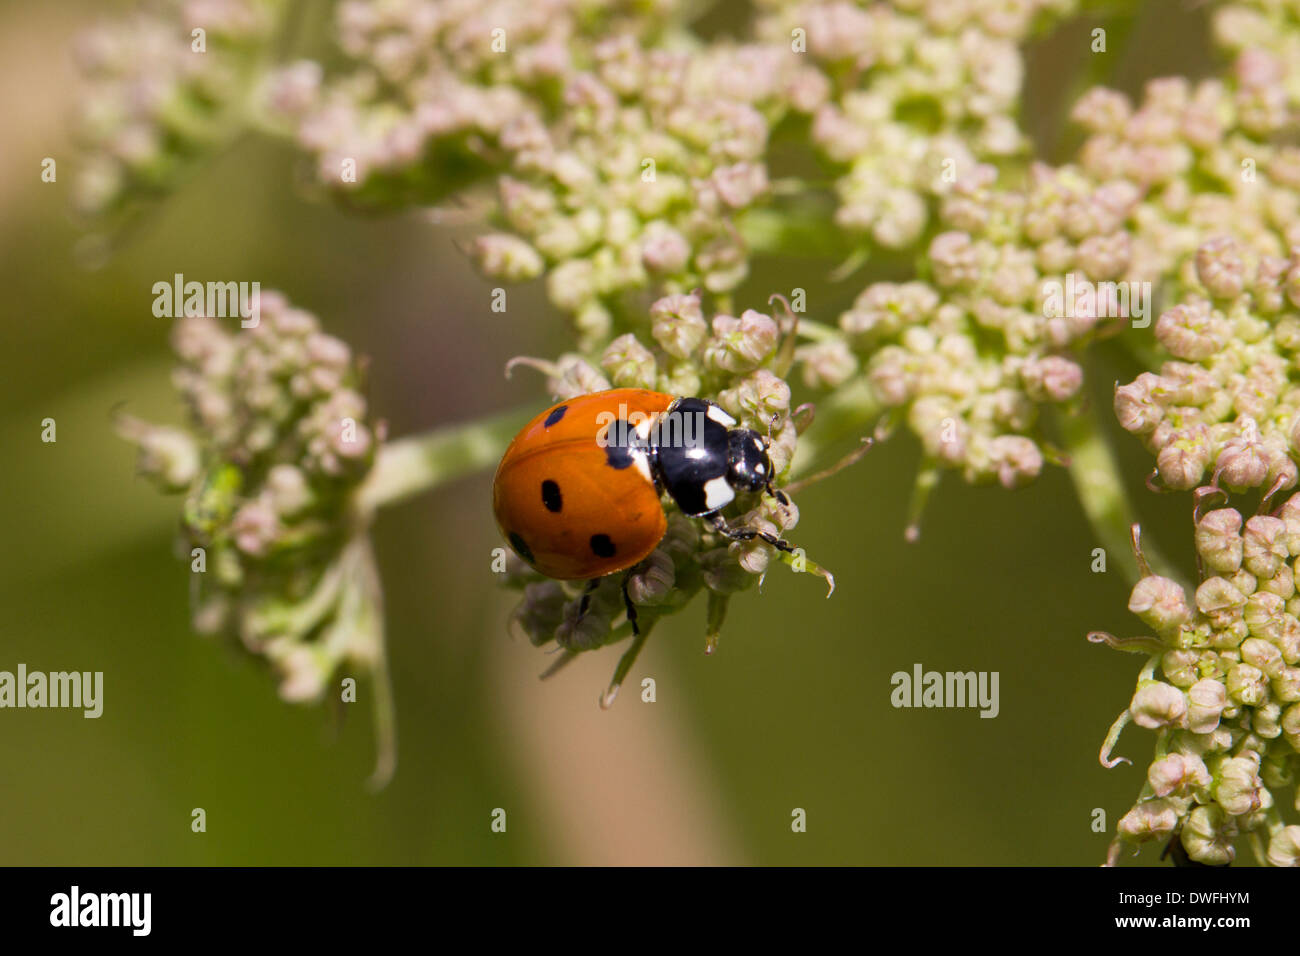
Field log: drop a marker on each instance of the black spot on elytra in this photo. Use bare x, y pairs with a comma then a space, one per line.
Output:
551, 496
619, 456
521, 547
602, 546
555, 416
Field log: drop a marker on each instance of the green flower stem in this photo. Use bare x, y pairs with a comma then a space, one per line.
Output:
1097, 481
410, 466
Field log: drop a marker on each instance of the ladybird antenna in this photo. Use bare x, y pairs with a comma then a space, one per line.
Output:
849, 459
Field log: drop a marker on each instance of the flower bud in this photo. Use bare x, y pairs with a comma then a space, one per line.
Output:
1241, 465
1206, 700
1220, 600
1264, 545
1016, 459
1262, 655
1218, 540
741, 344
678, 325
628, 363
1247, 684
1177, 773
1190, 331
757, 398
1284, 847
1220, 267
1150, 819
827, 364
1051, 379
1207, 836
1264, 614
255, 526
1182, 462
1138, 406
1160, 602
1237, 786
1179, 667
1157, 704
507, 257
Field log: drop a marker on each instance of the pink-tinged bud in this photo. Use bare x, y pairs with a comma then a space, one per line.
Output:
1286, 684
1237, 787
1186, 384
1262, 654
1179, 667
1264, 614
1150, 820
1157, 704
1101, 110
1182, 462
1220, 600
1139, 405
1161, 603
1220, 267
1051, 379
955, 258
757, 398
1284, 847
576, 377
741, 344
664, 250
891, 375
1291, 283
1016, 460
1247, 684
1241, 465
740, 184
1178, 773
678, 324
1192, 331
1264, 545
255, 526
1219, 542
628, 363
1206, 700
1207, 836
507, 257
1291, 725
1105, 257
1266, 291
885, 308
827, 364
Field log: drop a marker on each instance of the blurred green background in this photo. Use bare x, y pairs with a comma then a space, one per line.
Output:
793, 710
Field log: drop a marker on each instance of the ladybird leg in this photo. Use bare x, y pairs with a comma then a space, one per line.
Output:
778, 494
748, 534
631, 608
585, 604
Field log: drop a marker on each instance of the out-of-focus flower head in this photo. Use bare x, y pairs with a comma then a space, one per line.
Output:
920, 89
164, 88
279, 440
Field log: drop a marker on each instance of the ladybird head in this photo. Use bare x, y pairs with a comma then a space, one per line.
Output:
749, 468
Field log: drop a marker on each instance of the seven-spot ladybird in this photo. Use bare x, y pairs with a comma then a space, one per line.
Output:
577, 492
